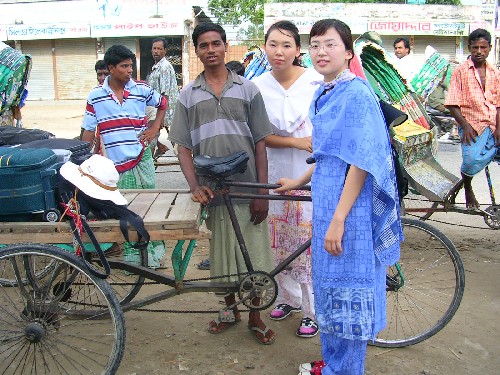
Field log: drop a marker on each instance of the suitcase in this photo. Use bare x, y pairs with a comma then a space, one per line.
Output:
11, 135
28, 178
80, 150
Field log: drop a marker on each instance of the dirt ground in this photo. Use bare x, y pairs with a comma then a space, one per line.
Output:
178, 343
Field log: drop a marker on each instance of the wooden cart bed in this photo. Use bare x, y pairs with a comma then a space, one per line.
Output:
167, 215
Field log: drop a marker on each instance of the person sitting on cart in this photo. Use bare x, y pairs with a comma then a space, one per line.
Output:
217, 114
474, 101
117, 110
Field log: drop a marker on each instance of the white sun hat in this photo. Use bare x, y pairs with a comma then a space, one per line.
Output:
96, 177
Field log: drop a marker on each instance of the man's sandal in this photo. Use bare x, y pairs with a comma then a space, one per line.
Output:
217, 326
266, 333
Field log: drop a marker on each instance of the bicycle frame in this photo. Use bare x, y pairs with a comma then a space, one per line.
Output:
180, 263
180, 286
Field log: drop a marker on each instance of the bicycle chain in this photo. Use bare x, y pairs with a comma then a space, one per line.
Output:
185, 311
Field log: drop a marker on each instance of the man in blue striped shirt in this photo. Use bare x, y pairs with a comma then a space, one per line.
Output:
116, 111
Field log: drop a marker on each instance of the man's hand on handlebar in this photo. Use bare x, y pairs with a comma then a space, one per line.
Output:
202, 194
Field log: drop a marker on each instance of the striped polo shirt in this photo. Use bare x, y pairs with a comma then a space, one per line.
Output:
119, 125
213, 126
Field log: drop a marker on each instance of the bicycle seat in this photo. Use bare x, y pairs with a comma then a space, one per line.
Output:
223, 166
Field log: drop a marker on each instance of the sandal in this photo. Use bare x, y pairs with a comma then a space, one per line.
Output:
216, 326
282, 310
307, 328
266, 333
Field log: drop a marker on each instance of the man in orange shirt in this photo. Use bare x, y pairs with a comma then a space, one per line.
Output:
474, 101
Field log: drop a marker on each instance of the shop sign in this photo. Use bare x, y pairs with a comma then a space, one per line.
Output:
48, 31
137, 28
488, 10
441, 28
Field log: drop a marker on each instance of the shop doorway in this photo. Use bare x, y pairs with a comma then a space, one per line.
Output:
174, 55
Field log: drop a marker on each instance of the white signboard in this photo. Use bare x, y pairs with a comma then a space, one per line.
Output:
137, 28
48, 31
441, 28
488, 10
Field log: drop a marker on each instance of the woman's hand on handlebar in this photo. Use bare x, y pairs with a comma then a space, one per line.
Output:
287, 184
202, 194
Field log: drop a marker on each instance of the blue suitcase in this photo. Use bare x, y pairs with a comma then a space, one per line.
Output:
28, 179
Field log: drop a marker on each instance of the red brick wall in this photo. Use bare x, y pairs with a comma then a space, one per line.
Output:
196, 67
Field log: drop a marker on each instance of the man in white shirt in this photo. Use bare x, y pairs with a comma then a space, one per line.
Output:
404, 61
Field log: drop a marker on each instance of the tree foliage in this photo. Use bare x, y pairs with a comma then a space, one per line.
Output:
235, 12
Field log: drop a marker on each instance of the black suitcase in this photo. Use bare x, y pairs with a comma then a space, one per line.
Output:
11, 135
28, 178
80, 150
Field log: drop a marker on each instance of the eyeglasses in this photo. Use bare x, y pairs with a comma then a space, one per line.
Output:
327, 47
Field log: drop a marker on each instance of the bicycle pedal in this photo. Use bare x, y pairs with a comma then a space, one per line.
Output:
226, 316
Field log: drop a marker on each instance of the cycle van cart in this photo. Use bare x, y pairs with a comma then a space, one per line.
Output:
433, 188
58, 318
55, 317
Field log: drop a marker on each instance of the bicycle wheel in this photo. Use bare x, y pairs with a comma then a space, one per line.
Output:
423, 207
45, 323
8, 278
430, 286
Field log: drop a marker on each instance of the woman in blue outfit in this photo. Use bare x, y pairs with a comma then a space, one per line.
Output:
356, 223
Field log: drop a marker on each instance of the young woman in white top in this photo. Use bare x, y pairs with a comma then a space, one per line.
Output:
287, 91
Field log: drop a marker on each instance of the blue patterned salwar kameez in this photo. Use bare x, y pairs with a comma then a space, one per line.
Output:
348, 129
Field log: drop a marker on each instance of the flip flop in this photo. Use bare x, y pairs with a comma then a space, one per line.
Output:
222, 326
264, 333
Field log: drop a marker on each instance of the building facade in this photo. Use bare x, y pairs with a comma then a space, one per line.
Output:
66, 38
445, 27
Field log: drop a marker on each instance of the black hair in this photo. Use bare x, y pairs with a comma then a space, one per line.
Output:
116, 54
322, 26
406, 42
100, 65
282, 27
236, 67
206, 27
479, 34
163, 40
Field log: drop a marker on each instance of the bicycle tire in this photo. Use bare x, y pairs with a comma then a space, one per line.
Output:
432, 291
45, 324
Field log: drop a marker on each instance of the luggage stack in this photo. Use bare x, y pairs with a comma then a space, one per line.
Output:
13, 136
28, 178
80, 150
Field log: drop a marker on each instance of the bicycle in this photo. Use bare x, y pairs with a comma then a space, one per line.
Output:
424, 289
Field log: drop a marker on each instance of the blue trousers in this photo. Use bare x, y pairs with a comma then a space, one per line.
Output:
342, 356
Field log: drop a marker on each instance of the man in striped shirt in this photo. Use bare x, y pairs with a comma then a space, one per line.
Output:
474, 101
116, 111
